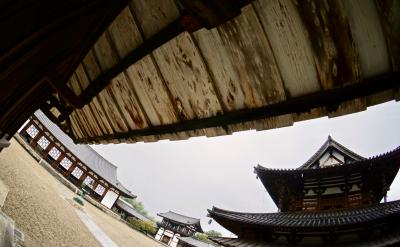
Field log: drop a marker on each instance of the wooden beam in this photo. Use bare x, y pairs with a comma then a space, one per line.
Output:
330, 98
96, 86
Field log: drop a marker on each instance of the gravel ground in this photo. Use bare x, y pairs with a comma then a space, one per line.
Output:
34, 203
37, 202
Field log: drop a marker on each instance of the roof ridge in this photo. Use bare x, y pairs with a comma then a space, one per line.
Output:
183, 215
330, 142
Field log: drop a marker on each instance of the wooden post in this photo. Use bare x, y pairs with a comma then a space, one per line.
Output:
71, 168
34, 141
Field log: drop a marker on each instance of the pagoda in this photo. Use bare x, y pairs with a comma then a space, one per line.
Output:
332, 199
175, 226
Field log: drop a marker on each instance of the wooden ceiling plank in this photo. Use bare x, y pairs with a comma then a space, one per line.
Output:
97, 110
92, 70
252, 58
368, 35
290, 44
93, 111
152, 88
148, 84
293, 105
187, 78
389, 12
126, 36
106, 57
221, 68
335, 53
154, 15
125, 33
127, 102
91, 119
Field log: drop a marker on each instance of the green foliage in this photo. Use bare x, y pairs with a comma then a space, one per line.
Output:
136, 205
213, 233
204, 236
143, 226
201, 236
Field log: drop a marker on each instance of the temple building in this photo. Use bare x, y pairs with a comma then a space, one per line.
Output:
334, 198
79, 164
125, 210
175, 226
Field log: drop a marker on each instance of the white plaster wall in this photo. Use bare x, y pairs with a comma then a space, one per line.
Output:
109, 199
159, 234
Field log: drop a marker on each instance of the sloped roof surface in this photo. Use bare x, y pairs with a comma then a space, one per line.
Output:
331, 143
181, 219
266, 68
85, 153
195, 242
389, 239
129, 209
272, 179
316, 219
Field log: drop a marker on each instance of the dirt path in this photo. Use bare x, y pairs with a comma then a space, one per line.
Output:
34, 203
38, 204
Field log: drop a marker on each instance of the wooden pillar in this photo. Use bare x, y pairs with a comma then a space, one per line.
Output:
71, 168
46, 151
34, 141
58, 160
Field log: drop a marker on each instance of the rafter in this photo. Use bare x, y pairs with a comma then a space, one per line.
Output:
330, 98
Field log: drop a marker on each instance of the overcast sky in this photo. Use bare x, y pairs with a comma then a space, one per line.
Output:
191, 176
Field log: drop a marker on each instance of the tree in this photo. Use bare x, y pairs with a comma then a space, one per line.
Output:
136, 205
204, 236
147, 227
213, 233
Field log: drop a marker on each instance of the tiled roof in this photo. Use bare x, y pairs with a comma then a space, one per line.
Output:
130, 210
330, 143
388, 239
261, 169
314, 220
85, 153
181, 219
195, 242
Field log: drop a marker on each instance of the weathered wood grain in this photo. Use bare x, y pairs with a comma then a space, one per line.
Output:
98, 112
127, 102
290, 44
125, 34
335, 53
389, 12
187, 79
153, 15
367, 33
148, 84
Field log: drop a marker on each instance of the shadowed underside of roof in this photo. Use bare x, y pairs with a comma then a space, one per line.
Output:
156, 73
194, 242
389, 239
86, 154
274, 64
386, 165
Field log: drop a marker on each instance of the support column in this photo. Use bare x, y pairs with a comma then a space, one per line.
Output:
46, 151
34, 141
72, 167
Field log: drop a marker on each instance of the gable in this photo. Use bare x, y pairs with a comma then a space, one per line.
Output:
331, 153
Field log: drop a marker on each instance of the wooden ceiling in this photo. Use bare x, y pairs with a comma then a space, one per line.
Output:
157, 73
